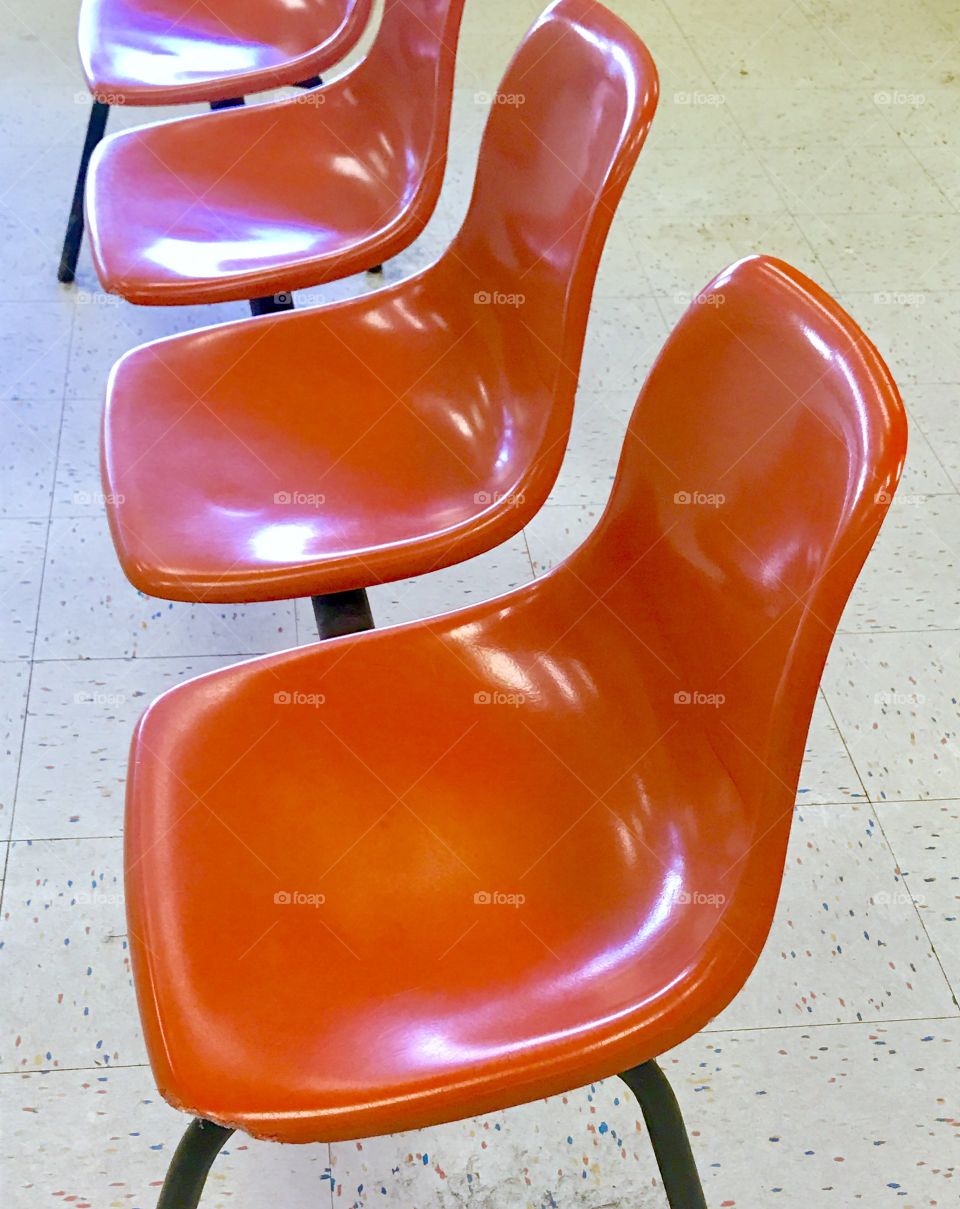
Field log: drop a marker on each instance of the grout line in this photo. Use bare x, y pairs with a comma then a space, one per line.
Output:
872, 1023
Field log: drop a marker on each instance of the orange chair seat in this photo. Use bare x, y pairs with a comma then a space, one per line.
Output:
367, 771
317, 451
165, 52
242, 202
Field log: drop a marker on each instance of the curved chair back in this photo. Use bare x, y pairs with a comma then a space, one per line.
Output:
205, 47
758, 465
402, 91
564, 132
565, 129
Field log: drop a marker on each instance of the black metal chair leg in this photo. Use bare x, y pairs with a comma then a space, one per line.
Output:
312, 82
272, 304
342, 613
668, 1135
375, 268
227, 103
191, 1164
96, 125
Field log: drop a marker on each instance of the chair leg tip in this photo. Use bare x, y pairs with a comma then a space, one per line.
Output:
65, 274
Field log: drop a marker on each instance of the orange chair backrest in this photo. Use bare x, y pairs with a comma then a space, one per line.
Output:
402, 91
759, 463
563, 134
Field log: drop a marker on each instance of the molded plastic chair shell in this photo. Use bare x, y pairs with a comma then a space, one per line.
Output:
541, 839
247, 202
167, 52
392, 434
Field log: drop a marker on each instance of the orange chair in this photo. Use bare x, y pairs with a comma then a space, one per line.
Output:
250, 203
320, 452
171, 52
542, 837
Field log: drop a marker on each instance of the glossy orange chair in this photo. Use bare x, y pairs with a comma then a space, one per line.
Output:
252, 203
542, 837
319, 452
172, 52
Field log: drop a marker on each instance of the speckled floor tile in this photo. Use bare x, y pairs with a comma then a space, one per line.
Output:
600, 421
934, 410
22, 543
890, 254
103, 1139
557, 530
14, 682
837, 1115
924, 472
827, 774
455, 587
785, 119
65, 989
844, 180
30, 431
895, 699
624, 335
846, 942
913, 330
106, 327
34, 345
911, 580
826, 1117
925, 838
77, 489
682, 255
709, 180
89, 610
586, 1149
80, 718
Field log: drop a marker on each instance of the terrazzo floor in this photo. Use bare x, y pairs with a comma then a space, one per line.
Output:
822, 131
